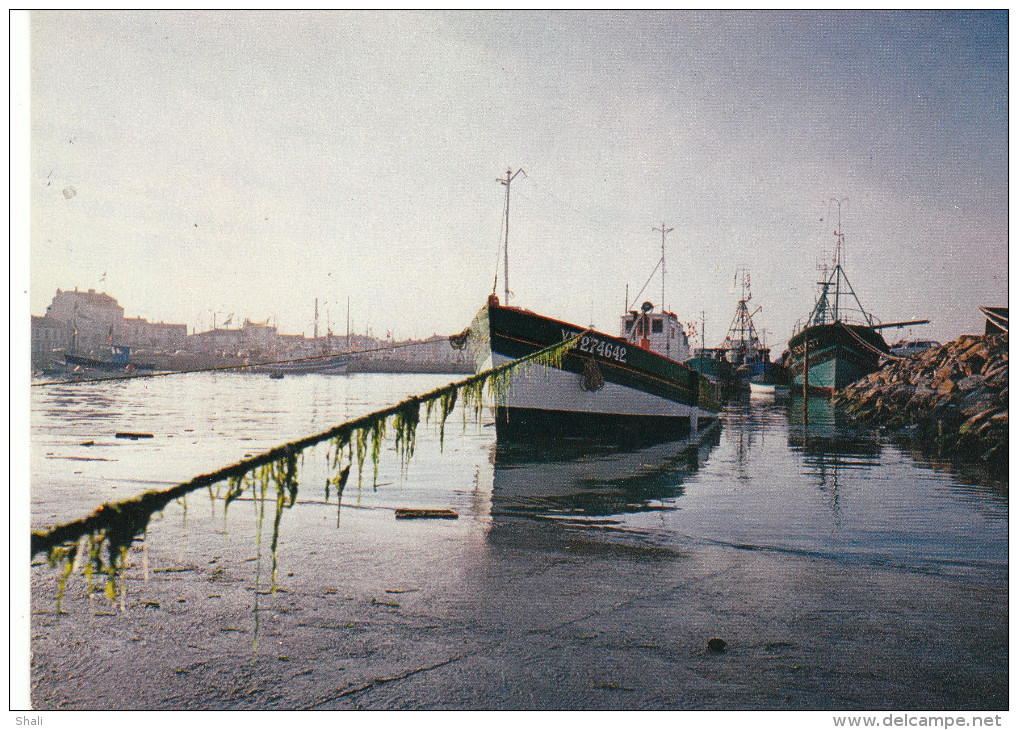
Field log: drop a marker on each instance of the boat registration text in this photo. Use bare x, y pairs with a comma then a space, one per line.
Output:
597, 346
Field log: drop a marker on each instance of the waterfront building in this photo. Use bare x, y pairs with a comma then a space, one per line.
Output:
95, 318
89, 322
138, 332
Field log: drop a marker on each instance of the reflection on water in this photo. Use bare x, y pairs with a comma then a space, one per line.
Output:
576, 482
830, 444
829, 433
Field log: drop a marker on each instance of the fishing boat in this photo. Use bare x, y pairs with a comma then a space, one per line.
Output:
742, 345
628, 388
606, 388
742, 356
840, 341
119, 361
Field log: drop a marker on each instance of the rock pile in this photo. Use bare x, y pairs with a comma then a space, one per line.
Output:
952, 398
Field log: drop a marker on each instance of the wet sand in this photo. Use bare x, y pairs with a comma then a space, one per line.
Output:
517, 614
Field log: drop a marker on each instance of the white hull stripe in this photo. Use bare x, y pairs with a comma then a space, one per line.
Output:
551, 389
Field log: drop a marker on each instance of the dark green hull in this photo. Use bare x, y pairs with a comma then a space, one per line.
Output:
605, 388
839, 354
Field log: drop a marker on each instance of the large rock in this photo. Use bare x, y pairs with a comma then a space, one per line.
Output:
953, 397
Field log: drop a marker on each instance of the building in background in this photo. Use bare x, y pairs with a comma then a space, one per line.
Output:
89, 323
153, 336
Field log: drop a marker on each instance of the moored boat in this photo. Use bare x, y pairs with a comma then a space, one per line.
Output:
332, 364
119, 361
760, 386
743, 348
606, 389
630, 389
840, 341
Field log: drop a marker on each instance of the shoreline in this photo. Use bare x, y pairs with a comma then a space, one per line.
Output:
535, 619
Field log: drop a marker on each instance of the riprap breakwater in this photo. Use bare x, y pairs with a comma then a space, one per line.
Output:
952, 398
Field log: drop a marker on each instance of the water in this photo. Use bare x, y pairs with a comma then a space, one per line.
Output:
774, 525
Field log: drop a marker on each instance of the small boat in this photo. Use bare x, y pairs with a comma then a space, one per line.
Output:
332, 364
119, 361
759, 386
632, 388
840, 342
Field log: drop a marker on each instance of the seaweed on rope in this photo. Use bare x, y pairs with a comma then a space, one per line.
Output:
111, 530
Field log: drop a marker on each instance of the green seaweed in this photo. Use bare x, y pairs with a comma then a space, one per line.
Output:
377, 439
360, 443
448, 403
65, 556
404, 424
235, 488
260, 479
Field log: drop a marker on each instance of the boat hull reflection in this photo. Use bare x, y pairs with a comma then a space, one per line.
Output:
829, 432
581, 481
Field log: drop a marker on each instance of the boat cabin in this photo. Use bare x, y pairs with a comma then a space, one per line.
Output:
659, 332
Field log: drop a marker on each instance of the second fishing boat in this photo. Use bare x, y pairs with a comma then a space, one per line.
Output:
840, 341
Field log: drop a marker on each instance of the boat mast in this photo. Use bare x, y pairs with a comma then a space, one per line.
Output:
703, 337
509, 177
663, 232
839, 236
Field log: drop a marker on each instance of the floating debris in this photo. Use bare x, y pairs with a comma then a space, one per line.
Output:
611, 685
131, 435
716, 645
426, 514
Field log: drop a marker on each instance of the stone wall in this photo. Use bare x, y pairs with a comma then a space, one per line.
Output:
952, 398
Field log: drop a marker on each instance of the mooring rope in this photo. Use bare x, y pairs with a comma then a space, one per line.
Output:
222, 368
869, 346
132, 513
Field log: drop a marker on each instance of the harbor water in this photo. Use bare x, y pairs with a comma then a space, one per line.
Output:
841, 571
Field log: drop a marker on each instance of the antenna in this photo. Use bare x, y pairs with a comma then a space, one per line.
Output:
509, 177
663, 232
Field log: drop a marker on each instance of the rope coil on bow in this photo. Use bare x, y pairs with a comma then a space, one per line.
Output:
593, 380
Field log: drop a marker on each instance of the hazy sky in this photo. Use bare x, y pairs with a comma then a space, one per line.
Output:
247, 162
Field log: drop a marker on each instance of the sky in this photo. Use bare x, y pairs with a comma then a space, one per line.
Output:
195, 165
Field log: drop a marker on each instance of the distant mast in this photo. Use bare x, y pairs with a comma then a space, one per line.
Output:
509, 177
825, 311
